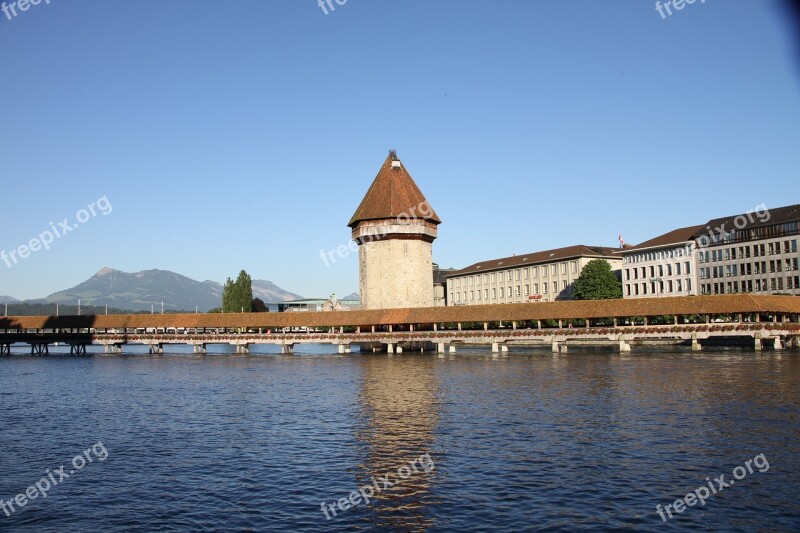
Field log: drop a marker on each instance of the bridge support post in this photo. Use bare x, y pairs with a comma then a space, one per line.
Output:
778, 343
157, 349
5, 349
399, 349
555, 346
199, 348
758, 344
495, 347
40, 349
341, 348
504, 348
440, 347
452, 349
390, 348
77, 349
287, 349
696, 347
623, 345
107, 348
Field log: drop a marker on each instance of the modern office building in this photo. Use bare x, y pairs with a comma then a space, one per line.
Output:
663, 266
751, 252
315, 304
538, 277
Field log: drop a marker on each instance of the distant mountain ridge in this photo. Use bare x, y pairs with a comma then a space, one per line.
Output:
269, 292
8, 299
141, 291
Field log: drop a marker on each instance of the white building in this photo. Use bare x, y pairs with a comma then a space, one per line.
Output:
663, 266
538, 277
751, 252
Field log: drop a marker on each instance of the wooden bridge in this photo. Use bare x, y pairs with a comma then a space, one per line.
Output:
766, 321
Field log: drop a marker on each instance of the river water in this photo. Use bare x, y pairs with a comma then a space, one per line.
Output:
529, 441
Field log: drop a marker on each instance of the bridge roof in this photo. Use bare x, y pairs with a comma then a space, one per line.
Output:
719, 304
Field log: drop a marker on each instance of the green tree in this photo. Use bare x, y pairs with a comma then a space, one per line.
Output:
237, 296
259, 306
227, 296
597, 282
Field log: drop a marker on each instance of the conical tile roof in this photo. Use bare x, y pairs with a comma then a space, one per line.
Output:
393, 193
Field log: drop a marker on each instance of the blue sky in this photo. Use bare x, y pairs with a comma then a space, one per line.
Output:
243, 134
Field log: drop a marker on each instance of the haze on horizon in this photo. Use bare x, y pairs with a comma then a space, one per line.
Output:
244, 135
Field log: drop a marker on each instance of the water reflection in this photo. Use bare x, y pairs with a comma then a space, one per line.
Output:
397, 420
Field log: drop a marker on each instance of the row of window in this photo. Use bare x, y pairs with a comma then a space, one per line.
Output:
683, 251
749, 285
676, 269
659, 287
749, 269
506, 292
743, 252
518, 274
755, 234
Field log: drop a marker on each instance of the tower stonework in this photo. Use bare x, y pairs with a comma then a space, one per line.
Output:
395, 227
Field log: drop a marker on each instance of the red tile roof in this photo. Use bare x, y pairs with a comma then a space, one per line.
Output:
558, 254
676, 236
393, 193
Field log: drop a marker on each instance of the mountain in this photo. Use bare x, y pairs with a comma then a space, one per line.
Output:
269, 292
351, 296
8, 299
141, 291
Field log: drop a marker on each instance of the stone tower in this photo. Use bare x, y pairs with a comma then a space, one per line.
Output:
395, 227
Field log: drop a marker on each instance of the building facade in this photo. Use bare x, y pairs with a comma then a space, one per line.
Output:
538, 277
663, 266
395, 227
440, 285
753, 252
747, 253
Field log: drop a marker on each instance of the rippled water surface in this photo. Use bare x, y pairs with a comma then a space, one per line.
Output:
529, 441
